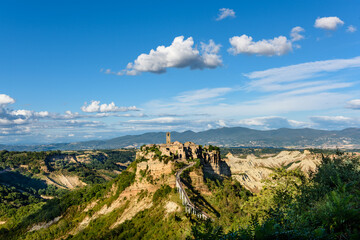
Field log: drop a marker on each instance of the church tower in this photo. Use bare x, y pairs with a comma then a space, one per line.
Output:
168, 139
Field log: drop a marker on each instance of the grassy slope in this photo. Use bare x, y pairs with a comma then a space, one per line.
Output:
234, 206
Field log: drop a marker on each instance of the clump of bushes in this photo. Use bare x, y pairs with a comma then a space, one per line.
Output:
291, 206
161, 193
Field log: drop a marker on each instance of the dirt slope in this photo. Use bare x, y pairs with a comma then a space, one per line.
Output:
250, 171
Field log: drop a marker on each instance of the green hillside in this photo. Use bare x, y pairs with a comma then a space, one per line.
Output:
324, 205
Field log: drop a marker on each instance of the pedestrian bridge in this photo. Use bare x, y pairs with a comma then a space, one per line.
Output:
189, 206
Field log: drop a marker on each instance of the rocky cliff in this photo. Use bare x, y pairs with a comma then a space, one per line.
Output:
250, 170
209, 156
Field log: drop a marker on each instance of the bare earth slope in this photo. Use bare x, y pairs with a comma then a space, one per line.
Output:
250, 171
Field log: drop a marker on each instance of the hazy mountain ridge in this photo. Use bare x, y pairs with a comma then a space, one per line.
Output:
227, 137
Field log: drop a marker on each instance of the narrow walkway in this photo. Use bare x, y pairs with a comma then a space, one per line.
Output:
189, 206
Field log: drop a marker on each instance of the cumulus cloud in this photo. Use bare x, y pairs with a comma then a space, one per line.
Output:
21, 116
180, 54
351, 29
353, 104
5, 100
328, 23
10, 117
296, 34
224, 13
266, 47
95, 106
30, 126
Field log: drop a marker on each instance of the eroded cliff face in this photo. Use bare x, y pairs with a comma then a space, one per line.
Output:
150, 175
177, 150
209, 156
252, 170
154, 168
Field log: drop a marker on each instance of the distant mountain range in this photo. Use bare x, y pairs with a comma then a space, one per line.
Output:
224, 137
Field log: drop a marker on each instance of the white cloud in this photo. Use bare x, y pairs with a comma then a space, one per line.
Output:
296, 34
271, 122
301, 88
81, 123
9, 117
161, 120
14, 131
92, 107
185, 104
21, 116
222, 123
201, 95
180, 54
335, 122
278, 78
171, 123
95, 106
351, 29
42, 114
125, 115
25, 113
224, 13
328, 23
353, 104
277, 105
30, 126
5, 100
267, 47
302, 99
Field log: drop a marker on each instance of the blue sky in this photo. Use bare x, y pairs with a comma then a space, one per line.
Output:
81, 70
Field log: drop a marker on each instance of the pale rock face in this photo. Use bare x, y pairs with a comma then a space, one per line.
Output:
251, 171
210, 160
184, 151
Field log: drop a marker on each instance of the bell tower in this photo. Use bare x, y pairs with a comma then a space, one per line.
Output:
168, 138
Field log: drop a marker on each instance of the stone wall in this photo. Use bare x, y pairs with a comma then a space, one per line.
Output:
179, 150
209, 157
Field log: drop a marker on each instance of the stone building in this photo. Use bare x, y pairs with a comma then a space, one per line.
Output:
168, 138
209, 156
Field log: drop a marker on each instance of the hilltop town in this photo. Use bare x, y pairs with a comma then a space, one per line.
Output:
209, 156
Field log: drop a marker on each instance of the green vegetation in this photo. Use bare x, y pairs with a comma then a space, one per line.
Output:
148, 224
325, 205
23, 185
213, 148
32, 160
158, 154
11, 200
144, 172
92, 167
290, 206
161, 193
259, 152
68, 204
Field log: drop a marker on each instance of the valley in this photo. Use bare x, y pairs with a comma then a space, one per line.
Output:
171, 190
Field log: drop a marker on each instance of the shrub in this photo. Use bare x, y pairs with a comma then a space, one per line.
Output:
161, 193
